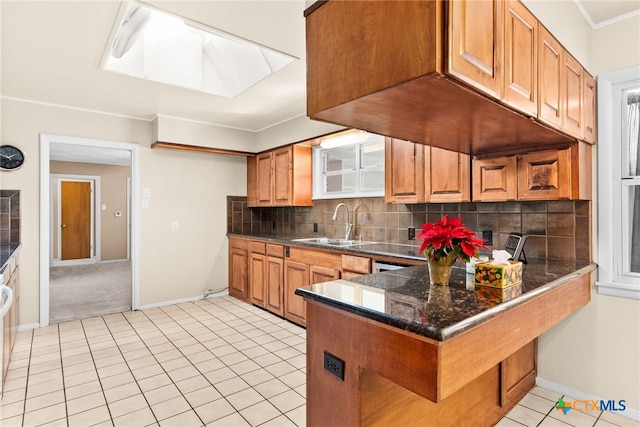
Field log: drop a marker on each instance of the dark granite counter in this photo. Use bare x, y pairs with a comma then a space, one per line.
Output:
6, 251
373, 249
404, 299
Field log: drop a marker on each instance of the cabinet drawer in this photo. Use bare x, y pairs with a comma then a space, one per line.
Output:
356, 264
275, 250
257, 248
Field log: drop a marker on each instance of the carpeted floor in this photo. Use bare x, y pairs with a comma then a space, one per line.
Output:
83, 291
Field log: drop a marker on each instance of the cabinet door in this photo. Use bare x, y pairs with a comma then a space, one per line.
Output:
495, 180
323, 274
572, 81
404, 171
448, 176
238, 272
295, 275
545, 175
521, 58
518, 373
257, 279
263, 179
476, 43
549, 78
282, 173
252, 181
589, 108
275, 286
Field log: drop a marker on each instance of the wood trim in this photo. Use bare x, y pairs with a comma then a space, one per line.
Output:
199, 149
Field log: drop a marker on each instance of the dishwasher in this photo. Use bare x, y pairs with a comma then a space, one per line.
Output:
6, 299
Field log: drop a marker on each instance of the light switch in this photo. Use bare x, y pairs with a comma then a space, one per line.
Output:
146, 193
145, 203
104, 207
174, 226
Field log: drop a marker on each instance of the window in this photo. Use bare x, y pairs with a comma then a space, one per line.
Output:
353, 170
619, 183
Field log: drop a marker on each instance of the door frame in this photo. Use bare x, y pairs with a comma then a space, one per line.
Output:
95, 218
46, 223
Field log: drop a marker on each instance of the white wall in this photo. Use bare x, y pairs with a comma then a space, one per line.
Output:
187, 187
596, 350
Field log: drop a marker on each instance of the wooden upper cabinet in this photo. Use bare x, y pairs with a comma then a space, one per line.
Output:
476, 41
415, 173
549, 78
404, 171
263, 179
281, 177
520, 58
589, 108
495, 179
448, 177
572, 109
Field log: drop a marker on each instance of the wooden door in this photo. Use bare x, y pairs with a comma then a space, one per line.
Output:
573, 81
282, 174
589, 108
238, 259
257, 279
495, 180
545, 175
275, 285
404, 171
520, 58
296, 274
75, 222
549, 78
476, 40
264, 193
448, 176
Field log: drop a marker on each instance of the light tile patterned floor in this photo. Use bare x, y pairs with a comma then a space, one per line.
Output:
215, 362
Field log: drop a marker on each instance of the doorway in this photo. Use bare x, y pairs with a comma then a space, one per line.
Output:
64, 205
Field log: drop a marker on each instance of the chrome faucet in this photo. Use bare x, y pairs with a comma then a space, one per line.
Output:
348, 227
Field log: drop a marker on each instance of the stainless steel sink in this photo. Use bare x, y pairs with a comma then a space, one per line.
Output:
331, 242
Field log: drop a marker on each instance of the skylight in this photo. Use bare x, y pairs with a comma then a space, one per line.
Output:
157, 46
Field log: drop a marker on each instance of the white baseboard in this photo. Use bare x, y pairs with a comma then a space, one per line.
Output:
28, 327
182, 300
633, 414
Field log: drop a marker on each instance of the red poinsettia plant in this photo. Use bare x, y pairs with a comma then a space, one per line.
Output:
449, 239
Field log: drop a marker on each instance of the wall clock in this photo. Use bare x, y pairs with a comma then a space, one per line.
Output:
11, 158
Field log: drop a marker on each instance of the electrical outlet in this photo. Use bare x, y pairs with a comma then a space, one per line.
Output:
487, 236
411, 233
315, 227
334, 365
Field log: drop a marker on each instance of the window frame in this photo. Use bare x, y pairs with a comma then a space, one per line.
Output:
613, 280
318, 172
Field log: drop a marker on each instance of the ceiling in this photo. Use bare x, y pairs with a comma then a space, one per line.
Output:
51, 53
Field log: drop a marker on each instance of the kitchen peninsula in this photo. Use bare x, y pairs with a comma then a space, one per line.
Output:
386, 349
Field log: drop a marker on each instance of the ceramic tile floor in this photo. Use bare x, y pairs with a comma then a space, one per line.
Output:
215, 362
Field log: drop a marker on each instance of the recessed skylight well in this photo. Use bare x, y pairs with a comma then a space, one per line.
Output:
155, 45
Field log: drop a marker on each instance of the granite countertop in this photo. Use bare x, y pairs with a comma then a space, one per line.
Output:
387, 250
404, 299
6, 251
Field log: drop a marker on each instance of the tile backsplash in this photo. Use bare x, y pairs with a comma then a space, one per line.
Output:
9, 216
555, 229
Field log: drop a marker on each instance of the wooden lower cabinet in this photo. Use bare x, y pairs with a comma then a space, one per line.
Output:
11, 319
299, 273
257, 278
518, 373
238, 267
296, 274
275, 286
266, 276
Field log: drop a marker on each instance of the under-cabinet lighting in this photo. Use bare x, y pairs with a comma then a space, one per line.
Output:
345, 138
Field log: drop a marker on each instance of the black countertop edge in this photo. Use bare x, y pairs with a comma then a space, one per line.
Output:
432, 329
398, 251
7, 250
